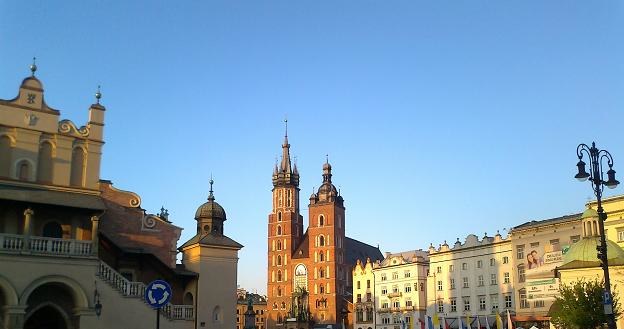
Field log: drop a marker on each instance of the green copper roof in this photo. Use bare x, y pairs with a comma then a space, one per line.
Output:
590, 213
583, 253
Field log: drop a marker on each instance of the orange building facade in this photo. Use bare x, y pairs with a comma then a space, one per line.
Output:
309, 271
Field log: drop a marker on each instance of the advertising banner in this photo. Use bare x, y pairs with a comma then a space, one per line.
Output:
540, 267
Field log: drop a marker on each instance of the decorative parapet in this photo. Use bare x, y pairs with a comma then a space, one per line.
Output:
68, 127
470, 242
121, 197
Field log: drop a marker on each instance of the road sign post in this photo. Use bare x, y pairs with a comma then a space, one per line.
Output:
157, 295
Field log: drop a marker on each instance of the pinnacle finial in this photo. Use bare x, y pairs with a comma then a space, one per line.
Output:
98, 95
33, 66
286, 126
326, 158
211, 196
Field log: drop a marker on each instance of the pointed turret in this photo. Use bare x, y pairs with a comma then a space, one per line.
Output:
285, 174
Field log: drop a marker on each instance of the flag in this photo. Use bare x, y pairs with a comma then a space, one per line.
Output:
487, 323
509, 323
446, 325
422, 324
436, 321
429, 322
460, 324
499, 321
411, 324
478, 323
468, 321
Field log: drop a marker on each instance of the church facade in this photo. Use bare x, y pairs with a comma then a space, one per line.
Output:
309, 270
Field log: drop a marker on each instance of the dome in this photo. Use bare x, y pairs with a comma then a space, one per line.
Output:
585, 251
327, 189
589, 213
210, 209
326, 166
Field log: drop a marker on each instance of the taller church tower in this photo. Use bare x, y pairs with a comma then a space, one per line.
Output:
285, 233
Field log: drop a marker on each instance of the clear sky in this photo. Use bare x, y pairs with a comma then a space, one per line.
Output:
440, 118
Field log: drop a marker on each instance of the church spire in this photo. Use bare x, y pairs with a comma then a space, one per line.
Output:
286, 167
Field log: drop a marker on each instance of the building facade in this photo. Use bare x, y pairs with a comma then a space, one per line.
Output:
538, 248
259, 307
309, 271
363, 295
400, 289
474, 278
77, 252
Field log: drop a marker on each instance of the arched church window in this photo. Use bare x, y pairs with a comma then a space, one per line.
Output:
279, 260
279, 276
321, 240
321, 257
283, 305
321, 273
279, 245
279, 291
216, 314
321, 220
279, 230
188, 299
279, 216
52, 230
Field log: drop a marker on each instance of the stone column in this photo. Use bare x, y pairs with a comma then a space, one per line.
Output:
28, 219
95, 223
14, 317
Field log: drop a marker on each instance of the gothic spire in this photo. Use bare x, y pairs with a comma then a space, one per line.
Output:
286, 167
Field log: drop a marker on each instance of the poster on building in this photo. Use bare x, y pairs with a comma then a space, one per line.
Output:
541, 262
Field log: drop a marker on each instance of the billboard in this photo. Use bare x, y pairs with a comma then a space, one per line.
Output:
541, 283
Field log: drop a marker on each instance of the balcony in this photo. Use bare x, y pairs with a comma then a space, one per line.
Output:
383, 310
37, 245
395, 294
407, 308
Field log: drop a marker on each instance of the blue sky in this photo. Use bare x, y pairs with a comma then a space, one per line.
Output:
440, 118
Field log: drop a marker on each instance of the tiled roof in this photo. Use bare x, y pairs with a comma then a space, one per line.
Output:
359, 250
556, 220
212, 240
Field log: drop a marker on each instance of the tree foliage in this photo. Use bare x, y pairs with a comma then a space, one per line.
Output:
580, 306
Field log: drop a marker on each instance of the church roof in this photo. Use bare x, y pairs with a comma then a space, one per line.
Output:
212, 240
583, 254
359, 250
550, 221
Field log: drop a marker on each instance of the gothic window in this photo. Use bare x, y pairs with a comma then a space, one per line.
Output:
279, 216
321, 220
5, 160
283, 306
279, 230
23, 170
279, 291
216, 314
321, 256
321, 240
279, 276
279, 245
77, 167
279, 260
45, 163
188, 299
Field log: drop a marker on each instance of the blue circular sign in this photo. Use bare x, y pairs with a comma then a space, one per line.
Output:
158, 293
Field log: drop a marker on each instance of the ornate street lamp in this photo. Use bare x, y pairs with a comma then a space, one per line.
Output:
596, 177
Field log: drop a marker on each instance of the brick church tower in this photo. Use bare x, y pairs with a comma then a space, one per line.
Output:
307, 274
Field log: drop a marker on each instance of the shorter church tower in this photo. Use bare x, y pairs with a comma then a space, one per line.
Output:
215, 257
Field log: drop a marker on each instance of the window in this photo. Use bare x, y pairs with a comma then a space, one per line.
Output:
384, 290
465, 282
383, 277
322, 258
359, 315
620, 234
415, 286
505, 260
440, 306
321, 240
452, 283
321, 221
321, 273
479, 264
358, 285
521, 273
439, 269
523, 299
369, 296
279, 260
494, 301
453, 305
493, 280
538, 303
77, 167
5, 150
534, 244
396, 304
395, 275
482, 303
464, 266
279, 216
53, 230
466, 303
23, 170
575, 238
279, 230
439, 285
279, 276
407, 274
359, 298
451, 268
368, 284
480, 281
506, 277
279, 291
385, 320
507, 301
408, 288
520, 252
385, 305
422, 286
279, 245
554, 242
321, 289
408, 302
395, 289
45, 163
492, 261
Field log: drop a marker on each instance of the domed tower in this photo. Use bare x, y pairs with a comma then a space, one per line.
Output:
210, 216
214, 257
326, 233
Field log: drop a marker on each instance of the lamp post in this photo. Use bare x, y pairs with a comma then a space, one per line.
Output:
595, 176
